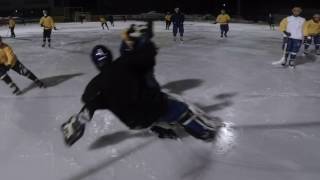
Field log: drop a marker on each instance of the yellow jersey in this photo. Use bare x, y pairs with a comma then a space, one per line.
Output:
103, 20
7, 56
47, 22
168, 18
12, 23
311, 28
223, 19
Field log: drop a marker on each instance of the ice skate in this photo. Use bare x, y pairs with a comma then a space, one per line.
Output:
306, 51
16, 91
292, 64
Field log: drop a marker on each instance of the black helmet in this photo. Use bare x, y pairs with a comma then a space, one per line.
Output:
101, 56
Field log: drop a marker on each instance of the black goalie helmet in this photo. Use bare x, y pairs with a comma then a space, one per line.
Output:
101, 56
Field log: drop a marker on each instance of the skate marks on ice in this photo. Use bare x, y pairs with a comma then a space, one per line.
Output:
86, 41
18, 38
85, 173
206, 155
198, 165
278, 126
117, 137
223, 144
71, 50
52, 81
225, 140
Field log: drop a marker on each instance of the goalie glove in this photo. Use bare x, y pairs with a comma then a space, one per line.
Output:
74, 128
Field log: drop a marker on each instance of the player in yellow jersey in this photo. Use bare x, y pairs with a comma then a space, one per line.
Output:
223, 19
167, 18
103, 21
12, 25
311, 32
48, 24
8, 60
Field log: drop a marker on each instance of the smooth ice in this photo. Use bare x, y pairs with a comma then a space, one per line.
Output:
272, 113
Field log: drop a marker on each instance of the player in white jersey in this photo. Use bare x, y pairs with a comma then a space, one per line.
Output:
292, 29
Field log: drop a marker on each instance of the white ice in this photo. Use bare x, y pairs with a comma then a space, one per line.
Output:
273, 112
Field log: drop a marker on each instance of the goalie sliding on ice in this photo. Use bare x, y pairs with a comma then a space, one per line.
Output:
126, 86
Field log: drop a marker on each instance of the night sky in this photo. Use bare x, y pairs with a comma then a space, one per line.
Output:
250, 9
197, 6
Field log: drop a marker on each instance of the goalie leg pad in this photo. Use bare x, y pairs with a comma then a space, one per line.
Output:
197, 126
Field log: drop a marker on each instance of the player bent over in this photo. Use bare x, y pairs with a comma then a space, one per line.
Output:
312, 33
122, 87
8, 60
292, 29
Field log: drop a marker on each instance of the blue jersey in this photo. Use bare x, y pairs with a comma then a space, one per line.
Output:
177, 19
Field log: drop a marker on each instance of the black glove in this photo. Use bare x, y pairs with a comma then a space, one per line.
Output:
287, 33
55, 28
42, 25
164, 133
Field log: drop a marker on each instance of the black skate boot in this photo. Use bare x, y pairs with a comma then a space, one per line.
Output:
16, 91
292, 64
306, 52
72, 130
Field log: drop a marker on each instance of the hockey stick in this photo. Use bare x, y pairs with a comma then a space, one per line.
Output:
283, 59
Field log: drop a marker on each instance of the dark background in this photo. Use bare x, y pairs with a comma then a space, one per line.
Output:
195, 6
249, 9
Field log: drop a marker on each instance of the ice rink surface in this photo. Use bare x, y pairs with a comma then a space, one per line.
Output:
274, 112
